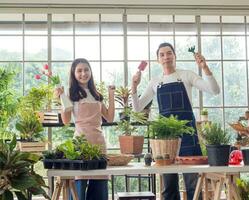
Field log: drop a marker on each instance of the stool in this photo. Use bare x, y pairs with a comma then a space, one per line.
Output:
65, 185
136, 196
217, 181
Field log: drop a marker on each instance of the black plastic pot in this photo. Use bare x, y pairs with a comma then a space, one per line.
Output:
58, 164
92, 164
245, 153
84, 165
66, 164
102, 163
76, 164
218, 155
48, 163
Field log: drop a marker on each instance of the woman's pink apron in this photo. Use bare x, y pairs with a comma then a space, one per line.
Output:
88, 119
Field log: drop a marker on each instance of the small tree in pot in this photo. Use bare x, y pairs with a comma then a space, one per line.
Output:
217, 143
131, 144
166, 133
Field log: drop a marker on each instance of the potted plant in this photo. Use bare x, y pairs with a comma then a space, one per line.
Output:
166, 133
31, 133
16, 175
243, 187
204, 115
122, 96
130, 143
217, 143
48, 159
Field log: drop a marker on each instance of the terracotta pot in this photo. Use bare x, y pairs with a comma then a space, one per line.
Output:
162, 147
131, 144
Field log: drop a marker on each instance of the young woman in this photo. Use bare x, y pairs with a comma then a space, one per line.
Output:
88, 110
174, 95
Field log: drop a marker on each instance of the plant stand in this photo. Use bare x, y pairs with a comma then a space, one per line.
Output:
66, 185
217, 181
33, 147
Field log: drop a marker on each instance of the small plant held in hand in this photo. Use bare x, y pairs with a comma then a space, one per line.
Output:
191, 49
55, 79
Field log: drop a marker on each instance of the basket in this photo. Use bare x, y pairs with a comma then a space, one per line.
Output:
119, 159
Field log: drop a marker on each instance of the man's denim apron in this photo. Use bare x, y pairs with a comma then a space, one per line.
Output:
173, 100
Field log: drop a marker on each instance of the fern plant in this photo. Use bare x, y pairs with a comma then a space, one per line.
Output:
169, 128
214, 135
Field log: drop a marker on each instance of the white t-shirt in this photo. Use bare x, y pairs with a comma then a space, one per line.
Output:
189, 79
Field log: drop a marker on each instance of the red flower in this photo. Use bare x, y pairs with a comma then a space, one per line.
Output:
46, 67
37, 76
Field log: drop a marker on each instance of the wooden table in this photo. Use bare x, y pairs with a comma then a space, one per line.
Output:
139, 168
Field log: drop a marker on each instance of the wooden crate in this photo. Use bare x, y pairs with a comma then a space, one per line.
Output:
33, 147
49, 117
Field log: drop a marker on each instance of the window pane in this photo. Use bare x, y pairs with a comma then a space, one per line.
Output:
87, 47
62, 48
235, 83
183, 43
36, 28
137, 28
63, 70
132, 69
62, 24
96, 71
137, 48
111, 28
86, 24
210, 99
11, 48
232, 115
113, 73
155, 41
210, 29
211, 47
156, 70
86, 28
36, 48
215, 115
185, 29
234, 47
30, 70
161, 28
112, 48
111, 24
17, 85
10, 28
62, 28
234, 29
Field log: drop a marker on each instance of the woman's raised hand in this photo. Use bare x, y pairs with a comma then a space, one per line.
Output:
58, 91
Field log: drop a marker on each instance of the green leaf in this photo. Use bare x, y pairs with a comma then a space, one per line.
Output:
12, 144
20, 196
7, 195
23, 182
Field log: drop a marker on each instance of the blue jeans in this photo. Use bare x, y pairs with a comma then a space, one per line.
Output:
92, 189
171, 186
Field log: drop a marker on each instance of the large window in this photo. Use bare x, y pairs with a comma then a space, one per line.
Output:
116, 43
